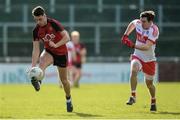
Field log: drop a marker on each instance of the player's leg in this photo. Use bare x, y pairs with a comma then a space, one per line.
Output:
152, 90
45, 60
66, 85
63, 77
70, 75
77, 77
150, 85
135, 68
149, 70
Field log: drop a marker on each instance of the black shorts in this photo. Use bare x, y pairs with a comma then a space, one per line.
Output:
59, 60
78, 65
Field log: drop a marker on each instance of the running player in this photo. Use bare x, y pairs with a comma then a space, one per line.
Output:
54, 38
144, 54
80, 56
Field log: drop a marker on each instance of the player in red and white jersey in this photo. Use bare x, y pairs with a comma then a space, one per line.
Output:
81, 52
54, 38
71, 58
144, 54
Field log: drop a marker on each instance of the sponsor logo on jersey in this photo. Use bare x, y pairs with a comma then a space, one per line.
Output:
48, 37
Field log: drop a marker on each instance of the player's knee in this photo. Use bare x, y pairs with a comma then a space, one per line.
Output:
134, 68
149, 83
134, 73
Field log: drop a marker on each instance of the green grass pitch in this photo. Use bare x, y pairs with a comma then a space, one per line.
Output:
90, 101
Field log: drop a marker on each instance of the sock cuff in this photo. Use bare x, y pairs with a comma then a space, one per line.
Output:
153, 98
133, 91
67, 98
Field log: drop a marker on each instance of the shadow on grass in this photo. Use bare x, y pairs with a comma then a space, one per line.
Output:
86, 115
6, 117
168, 112
73, 114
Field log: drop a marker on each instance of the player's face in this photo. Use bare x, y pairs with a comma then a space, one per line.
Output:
145, 23
41, 20
75, 39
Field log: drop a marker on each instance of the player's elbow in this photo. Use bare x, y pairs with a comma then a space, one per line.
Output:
67, 37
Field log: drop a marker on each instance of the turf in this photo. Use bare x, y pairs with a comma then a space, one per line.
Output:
90, 101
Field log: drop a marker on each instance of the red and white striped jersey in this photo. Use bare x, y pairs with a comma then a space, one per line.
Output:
143, 35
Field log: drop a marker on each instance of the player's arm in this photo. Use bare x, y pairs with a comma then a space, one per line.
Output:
129, 29
125, 40
60, 30
83, 55
73, 52
35, 53
64, 40
144, 47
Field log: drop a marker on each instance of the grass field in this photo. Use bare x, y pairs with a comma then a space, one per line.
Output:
90, 101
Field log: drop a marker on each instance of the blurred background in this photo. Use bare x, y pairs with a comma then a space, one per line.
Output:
101, 24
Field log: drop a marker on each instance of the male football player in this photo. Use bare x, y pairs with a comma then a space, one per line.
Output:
54, 37
144, 53
81, 52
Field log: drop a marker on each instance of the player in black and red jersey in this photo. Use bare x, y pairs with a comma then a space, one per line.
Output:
54, 38
81, 52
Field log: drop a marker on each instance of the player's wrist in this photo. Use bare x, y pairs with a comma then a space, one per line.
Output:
33, 65
126, 35
133, 46
56, 46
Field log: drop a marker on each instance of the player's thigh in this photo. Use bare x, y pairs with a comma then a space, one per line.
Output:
63, 73
136, 65
46, 59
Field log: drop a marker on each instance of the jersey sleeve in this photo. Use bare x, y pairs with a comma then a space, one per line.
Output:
57, 26
35, 34
154, 34
135, 22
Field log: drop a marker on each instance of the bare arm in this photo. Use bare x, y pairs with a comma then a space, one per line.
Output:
83, 54
145, 46
125, 40
129, 29
65, 38
63, 41
35, 53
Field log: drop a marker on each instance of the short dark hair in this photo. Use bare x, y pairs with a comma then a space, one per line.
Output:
148, 14
37, 11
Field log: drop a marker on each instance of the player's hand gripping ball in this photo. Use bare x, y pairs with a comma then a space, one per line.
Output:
35, 72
